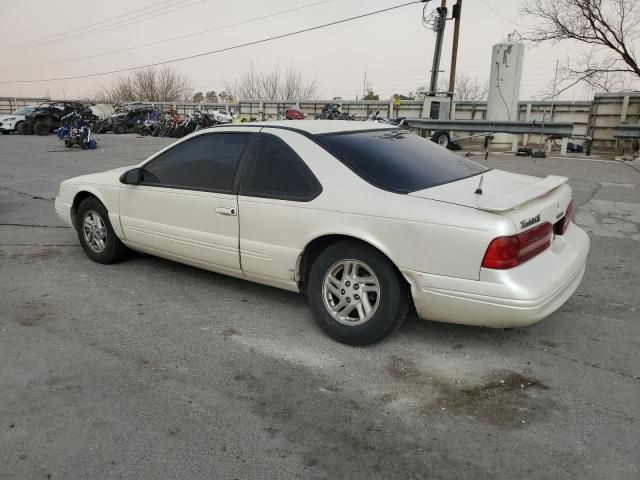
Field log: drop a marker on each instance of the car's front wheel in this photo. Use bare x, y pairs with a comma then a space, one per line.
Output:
356, 294
96, 234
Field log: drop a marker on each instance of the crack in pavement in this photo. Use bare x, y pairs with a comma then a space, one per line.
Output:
25, 194
583, 362
31, 225
38, 245
593, 194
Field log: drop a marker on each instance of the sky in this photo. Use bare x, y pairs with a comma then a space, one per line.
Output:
394, 48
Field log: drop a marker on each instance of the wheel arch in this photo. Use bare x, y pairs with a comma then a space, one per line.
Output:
78, 198
317, 245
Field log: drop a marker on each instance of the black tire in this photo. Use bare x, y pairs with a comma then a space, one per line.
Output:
68, 143
114, 250
120, 129
41, 128
20, 128
27, 129
442, 138
391, 305
99, 127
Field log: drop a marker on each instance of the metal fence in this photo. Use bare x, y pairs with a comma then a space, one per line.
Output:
597, 118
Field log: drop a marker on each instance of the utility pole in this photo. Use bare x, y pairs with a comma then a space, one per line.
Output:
440, 24
457, 11
364, 85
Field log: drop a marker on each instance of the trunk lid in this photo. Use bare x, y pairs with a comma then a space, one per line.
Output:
525, 199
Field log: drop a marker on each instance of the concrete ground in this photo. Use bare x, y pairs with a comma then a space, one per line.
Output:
151, 369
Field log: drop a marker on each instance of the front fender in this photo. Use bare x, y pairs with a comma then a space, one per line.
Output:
107, 195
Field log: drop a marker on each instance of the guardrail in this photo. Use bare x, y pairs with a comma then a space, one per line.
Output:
627, 131
557, 129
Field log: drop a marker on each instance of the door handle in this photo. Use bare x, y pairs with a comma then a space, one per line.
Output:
231, 211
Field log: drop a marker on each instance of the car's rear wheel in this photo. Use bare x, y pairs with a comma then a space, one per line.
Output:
96, 234
356, 294
120, 129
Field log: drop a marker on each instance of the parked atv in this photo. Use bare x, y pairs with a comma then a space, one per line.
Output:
127, 121
294, 114
47, 117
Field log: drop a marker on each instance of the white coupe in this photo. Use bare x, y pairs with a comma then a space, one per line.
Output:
366, 219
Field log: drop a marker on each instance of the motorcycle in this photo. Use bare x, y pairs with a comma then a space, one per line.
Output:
375, 117
332, 112
76, 130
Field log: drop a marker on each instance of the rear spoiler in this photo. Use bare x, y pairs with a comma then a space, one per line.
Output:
522, 196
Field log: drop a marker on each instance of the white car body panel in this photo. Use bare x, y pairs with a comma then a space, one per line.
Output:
502, 191
154, 217
436, 237
8, 123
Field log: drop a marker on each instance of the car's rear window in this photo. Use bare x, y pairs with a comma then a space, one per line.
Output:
398, 161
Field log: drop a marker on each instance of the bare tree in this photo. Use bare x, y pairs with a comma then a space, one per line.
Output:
470, 88
148, 85
273, 85
608, 28
466, 88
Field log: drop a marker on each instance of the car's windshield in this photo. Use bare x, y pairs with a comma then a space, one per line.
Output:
23, 111
397, 160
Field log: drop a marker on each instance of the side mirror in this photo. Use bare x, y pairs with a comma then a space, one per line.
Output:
131, 177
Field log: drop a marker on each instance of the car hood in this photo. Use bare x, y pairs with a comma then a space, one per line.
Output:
501, 191
110, 177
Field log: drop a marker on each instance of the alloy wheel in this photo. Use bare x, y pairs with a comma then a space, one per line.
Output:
351, 292
94, 231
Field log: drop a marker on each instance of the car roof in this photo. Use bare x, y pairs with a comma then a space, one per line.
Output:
318, 127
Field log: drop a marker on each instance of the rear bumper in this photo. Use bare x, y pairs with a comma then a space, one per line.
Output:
516, 297
63, 210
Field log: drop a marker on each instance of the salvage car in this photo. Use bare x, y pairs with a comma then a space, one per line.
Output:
366, 219
11, 123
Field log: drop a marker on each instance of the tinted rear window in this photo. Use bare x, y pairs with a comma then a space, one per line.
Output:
397, 160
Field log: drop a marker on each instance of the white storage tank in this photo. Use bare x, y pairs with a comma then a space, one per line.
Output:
504, 84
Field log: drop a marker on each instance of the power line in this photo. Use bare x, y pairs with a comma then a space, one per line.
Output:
502, 16
226, 49
131, 21
155, 5
180, 37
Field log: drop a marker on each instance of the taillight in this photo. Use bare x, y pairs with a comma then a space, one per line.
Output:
560, 227
509, 252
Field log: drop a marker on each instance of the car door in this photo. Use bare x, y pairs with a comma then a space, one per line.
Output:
277, 191
185, 207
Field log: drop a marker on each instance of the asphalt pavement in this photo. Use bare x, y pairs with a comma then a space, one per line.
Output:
151, 369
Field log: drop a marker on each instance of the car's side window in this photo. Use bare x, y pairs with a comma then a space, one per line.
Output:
205, 162
276, 171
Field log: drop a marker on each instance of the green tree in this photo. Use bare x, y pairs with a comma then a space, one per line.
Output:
371, 95
198, 97
211, 96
